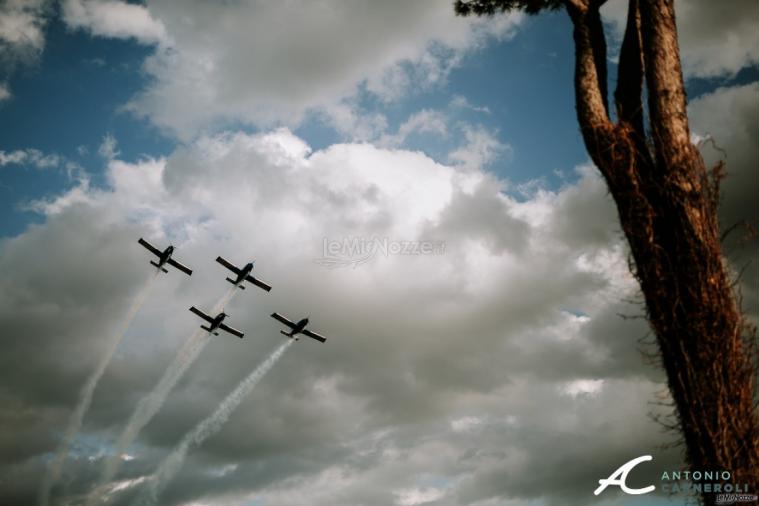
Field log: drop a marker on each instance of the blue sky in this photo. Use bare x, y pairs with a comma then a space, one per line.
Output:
497, 373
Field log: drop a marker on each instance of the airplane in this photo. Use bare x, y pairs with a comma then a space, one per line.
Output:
216, 323
297, 328
164, 257
243, 275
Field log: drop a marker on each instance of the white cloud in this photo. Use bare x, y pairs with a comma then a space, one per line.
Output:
33, 157
425, 121
21, 25
22, 38
414, 496
462, 102
583, 387
125, 484
78, 195
108, 149
465, 423
354, 124
114, 18
5, 93
480, 148
273, 63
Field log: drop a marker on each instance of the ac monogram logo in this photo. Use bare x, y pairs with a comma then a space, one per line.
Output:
619, 477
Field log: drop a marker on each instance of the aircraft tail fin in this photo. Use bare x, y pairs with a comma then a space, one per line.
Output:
205, 328
233, 282
285, 333
159, 266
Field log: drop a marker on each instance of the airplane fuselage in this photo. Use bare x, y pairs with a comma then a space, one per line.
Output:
217, 321
165, 255
244, 272
299, 327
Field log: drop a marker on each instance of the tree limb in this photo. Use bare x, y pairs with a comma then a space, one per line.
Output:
590, 74
576, 7
664, 79
598, 40
629, 90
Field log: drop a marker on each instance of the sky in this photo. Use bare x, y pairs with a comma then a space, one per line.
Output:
495, 355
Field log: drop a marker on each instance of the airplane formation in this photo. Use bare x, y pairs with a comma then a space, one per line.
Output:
242, 275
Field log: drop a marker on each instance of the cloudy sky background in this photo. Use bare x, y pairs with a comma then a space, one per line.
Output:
497, 373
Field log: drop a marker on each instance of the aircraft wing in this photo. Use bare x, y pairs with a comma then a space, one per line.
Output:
201, 314
228, 265
179, 266
258, 283
232, 331
150, 247
282, 319
313, 335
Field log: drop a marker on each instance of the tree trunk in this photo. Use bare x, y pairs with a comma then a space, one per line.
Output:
667, 204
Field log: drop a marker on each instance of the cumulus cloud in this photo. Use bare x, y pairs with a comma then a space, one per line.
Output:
22, 37
114, 18
480, 147
271, 64
447, 378
426, 121
353, 123
21, 25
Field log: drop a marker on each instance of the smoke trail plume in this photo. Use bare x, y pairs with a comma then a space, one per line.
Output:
208, 427
150, 404
85, 396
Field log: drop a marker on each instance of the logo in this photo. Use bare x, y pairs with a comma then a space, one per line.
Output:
691, 482
619, 477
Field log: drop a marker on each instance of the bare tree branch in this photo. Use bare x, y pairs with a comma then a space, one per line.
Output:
628, 95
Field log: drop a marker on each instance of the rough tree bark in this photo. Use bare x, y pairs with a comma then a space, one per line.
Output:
667, 205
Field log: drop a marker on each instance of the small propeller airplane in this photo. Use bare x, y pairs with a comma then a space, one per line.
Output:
216, 323
164, 257
297, 328
243, 275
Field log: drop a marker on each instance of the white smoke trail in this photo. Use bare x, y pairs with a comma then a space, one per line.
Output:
151, 404
208, 427
85, 396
